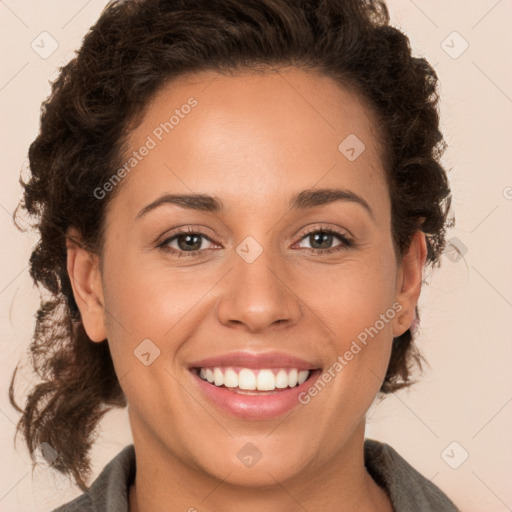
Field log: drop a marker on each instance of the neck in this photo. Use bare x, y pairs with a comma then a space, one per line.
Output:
164, 483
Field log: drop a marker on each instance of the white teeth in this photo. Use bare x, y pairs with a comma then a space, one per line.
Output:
303, 375
230, 378
259, 380
281, 379
266, 380
292, 378
218, 377
246, 379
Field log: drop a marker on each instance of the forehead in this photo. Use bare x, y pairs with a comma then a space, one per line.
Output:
255, 135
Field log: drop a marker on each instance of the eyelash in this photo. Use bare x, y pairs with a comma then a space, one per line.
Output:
346, 242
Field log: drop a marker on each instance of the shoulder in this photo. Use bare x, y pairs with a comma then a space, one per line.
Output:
110, 489
407, 488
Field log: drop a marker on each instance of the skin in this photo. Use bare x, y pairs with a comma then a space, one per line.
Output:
253, 140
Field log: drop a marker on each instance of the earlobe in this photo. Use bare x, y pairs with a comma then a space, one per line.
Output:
409, 279
85, 277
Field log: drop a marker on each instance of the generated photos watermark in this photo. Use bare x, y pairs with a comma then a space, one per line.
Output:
152, 140
355, 348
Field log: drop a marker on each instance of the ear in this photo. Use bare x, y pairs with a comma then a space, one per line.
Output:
84, 273
408, 283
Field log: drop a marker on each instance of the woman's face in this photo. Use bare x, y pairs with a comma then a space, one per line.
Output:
259, 273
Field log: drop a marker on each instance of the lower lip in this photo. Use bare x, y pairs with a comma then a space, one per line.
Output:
255, 407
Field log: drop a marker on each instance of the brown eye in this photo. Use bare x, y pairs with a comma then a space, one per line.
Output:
322, 240
189, 242
186, 243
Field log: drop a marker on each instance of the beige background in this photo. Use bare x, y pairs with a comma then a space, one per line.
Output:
465, 396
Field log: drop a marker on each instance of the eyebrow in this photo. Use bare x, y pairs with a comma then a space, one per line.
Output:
309, 198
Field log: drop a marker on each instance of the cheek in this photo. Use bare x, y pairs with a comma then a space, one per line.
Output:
352, 296
148, 299
359, 306
156, 303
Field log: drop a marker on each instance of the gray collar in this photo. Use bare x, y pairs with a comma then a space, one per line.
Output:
408, 490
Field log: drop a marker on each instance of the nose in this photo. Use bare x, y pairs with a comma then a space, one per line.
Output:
257, 295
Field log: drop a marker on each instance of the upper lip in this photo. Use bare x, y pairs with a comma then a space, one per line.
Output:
254, 360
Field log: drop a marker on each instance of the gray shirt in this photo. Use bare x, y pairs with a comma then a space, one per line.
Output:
408, 490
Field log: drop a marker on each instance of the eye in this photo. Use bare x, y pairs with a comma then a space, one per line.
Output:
186, 243
321, 239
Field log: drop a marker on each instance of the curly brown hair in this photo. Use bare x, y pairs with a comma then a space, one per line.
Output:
134, 48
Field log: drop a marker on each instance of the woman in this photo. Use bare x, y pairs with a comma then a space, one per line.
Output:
236, 201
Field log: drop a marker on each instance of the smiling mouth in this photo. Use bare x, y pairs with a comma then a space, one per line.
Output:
250, 381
